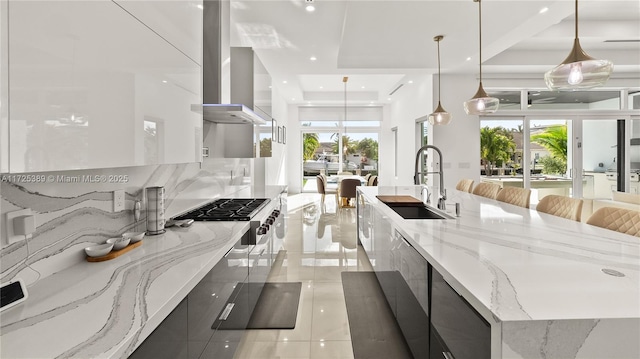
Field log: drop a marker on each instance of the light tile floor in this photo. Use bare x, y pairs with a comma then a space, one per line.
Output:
320, 243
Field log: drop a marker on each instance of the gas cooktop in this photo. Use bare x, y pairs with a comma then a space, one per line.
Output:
227, 209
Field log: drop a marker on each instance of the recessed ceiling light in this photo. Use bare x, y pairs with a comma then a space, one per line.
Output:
310, 8
544, 9
313, 58
389, 98
410, 81
284, 81
321, 87
362, 86
164, 81
293, 99
469, 58
199, 6
270, 86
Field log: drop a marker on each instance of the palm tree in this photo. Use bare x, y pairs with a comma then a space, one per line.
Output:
310, 143
368, 148
554, 139
348, 145
496, 146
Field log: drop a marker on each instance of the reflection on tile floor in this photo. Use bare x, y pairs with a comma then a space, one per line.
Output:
320, 244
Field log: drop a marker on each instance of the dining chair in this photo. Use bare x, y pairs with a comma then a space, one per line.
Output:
617, 219
372, 181
514, 195
561, 206
465, 185
489, 190
321, 182
366, 178
347, 189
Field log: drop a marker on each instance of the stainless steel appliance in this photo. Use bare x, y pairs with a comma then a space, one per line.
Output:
226, 209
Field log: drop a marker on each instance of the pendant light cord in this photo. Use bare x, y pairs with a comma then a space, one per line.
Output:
576, 25
439, 97
480, 36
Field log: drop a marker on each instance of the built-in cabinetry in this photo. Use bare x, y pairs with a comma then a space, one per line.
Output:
187, 331
435, 321
98, 84
209, 322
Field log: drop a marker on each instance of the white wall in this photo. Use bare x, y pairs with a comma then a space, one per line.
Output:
410, 102
459, 141
293, 151
276, 169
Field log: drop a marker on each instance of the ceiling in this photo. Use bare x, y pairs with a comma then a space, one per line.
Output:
381, 45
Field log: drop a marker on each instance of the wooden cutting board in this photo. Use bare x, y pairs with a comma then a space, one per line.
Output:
400, 200
114, 254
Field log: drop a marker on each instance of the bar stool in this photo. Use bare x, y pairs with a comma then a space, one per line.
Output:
561, 206
617, 219
516, 196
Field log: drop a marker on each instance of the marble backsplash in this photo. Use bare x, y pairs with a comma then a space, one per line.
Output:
74, 209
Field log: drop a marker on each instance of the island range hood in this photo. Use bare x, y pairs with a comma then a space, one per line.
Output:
228, 113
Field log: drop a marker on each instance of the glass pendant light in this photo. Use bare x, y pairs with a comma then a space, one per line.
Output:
481, 103
578, 70
439, 115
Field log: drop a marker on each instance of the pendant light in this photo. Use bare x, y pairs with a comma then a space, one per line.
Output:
481, 103
439, 115
578, 70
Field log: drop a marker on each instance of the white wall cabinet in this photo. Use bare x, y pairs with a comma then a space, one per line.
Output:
91, 86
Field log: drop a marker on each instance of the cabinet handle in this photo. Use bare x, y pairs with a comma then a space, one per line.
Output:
229, 251
226, 311
406, 241
448, 355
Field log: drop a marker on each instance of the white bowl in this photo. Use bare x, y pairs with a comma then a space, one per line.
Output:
99, 250
118, 242
134, 236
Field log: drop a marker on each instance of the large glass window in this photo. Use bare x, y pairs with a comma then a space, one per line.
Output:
599, 158
568, 100
550, 158
349, 146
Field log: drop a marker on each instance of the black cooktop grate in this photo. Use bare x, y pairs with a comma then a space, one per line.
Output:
227, 209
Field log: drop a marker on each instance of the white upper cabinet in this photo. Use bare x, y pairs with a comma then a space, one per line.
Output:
177, 21
92, 86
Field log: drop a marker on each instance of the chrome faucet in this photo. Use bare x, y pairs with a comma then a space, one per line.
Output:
416, 176
424, 193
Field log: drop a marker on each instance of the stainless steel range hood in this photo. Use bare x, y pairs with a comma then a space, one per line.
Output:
228, 113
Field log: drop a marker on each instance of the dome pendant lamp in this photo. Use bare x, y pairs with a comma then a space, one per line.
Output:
439, 115
481, 103
578, 70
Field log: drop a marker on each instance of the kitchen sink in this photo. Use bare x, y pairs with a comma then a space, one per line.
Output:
418, 212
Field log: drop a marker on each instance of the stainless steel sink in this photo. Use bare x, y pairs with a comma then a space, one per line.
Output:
418, 212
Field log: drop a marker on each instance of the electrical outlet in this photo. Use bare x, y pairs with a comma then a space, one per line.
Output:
118, 200
11, 236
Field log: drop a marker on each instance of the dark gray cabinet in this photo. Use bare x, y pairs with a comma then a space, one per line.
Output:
190, 330
435, 321
458, 328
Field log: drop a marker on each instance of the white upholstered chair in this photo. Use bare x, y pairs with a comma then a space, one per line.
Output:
561, 206
617, 219
465, 185
489, 190
514, 195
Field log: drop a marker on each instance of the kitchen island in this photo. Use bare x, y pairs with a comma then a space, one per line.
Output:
537, 281
107, 309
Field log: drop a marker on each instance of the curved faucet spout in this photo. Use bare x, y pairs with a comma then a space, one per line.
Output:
416, 176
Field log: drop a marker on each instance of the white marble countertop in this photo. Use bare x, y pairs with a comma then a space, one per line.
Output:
515, 264
106, 309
